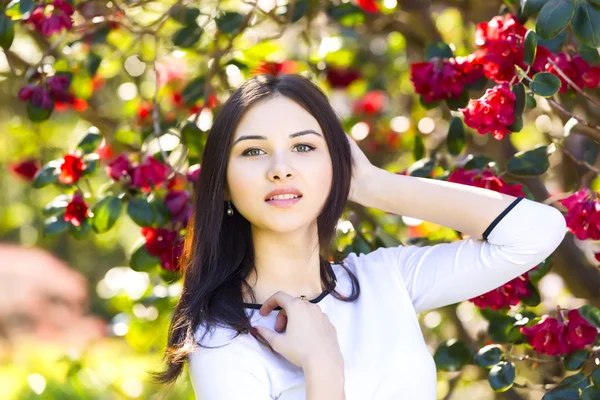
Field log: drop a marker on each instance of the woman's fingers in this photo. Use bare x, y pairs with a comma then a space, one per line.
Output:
280, 299
281, 321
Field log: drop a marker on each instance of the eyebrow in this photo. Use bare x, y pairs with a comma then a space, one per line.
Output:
293, 135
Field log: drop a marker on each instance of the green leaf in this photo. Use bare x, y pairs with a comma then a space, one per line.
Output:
7, 31
82, 85
430, 105
578, 380
517, 125
106, 212
591, 393
140, 211
193, 138
591, 314
519, 91
596, 377
26, 6
161, 212
422, 168
542, 269
554, 17
185, 15
456, 138
187, 36
489, 356
529, 47
418, 147
300, 10
452, 355
348, 14
38, 114
141, 260
439, 50
91, 162
501, 330
57, 205
531, 7
530, 102
556, 43
169, 276
534, 296
229, 22
545, 84
529, 163
477, 162
454, 103
589, 54
90, 141
360, 246
55, 225
586, 23
502, 376
82, 231
193, 91
562, 394
92, 63
575, 360
47, 174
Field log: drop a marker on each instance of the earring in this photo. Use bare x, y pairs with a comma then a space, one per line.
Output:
229, 209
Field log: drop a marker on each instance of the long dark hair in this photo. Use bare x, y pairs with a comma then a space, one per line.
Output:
218, 252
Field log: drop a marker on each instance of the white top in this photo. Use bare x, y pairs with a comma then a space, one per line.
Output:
385, 355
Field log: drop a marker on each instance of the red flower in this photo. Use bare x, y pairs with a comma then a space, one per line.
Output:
193, 172
104, 150
371, 103
119, 167
71, 169
158, 240
26, 92
493, 112
40, 97
485, 179
547, 337
583, 215
470, 68
576, 69
76, 211
436, 80
368, 5
275, 68
26, 169
506, 295
169, 260
341, 78
143, 113
52, 18
580, 332
149, 175
177, 201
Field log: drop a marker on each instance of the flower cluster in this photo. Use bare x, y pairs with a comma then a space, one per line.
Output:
485, 179
583, 214
576, 69
71, 169
52, 18
553, 337
164, 244
56, 89
441, 79
146, 176
506, 295
372, 103
76, 211
493, 113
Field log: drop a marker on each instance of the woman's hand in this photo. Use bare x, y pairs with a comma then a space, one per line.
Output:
361, 166
308, 337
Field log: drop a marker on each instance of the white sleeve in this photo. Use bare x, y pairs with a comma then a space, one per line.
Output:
227, 374
521, 237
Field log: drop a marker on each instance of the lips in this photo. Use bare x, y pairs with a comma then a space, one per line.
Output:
283, 191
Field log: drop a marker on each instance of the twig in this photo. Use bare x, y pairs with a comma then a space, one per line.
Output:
593, 131
49, 50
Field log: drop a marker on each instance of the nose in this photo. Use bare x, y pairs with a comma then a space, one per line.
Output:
280, 170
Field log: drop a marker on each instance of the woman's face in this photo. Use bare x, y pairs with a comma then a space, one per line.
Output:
264, 158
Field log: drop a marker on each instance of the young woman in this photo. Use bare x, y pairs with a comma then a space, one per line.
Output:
278, 169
